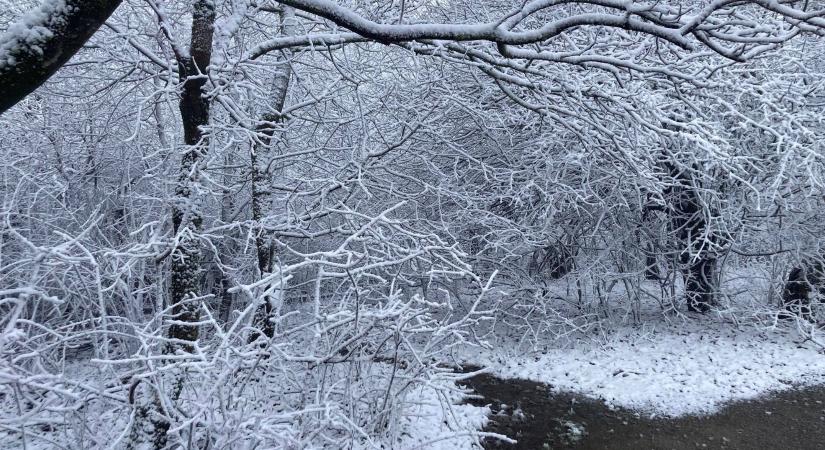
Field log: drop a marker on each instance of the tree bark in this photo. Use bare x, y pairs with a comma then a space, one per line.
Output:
687, 218
261, 159
43, 40
802, 280
185, 277
226, 247
649, 248
186, 216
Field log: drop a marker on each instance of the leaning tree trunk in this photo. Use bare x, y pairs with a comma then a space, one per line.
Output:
261, 159
28, 59
697, 257
151, 426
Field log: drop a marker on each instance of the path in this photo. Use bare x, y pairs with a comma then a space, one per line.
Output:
540, 419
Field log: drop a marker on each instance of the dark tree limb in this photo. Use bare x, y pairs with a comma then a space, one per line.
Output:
43, 40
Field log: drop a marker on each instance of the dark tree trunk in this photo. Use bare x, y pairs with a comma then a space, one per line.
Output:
649, 248
186, 216
226, 298
261, 205
696, 256
700, 285
28, 60
262, 173
185, 277
796, 296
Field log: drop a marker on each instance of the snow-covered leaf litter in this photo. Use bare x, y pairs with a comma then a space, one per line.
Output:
664, 364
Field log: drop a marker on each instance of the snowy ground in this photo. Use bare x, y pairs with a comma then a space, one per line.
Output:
666, 366
662, 364
434, 422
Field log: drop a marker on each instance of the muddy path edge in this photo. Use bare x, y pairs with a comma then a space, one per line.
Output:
539, 418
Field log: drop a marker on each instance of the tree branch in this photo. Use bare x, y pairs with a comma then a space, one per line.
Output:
43, 40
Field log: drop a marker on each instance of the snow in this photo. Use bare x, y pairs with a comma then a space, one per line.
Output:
405, 178
433, 422
490, 31
32, 30
675, 367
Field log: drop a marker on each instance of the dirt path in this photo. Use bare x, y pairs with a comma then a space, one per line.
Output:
539, 419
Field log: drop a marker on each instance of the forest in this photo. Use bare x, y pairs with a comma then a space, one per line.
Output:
290, 224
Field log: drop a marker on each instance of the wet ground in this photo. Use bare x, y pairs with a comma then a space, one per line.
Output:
540, 419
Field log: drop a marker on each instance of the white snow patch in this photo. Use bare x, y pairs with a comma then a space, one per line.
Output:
435, 420
681, 367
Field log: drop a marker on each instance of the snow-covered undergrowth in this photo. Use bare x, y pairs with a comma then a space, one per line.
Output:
364, 371
369, 367
434, 420
663, 363
430, 416
246, 401
376, 395
353, 361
